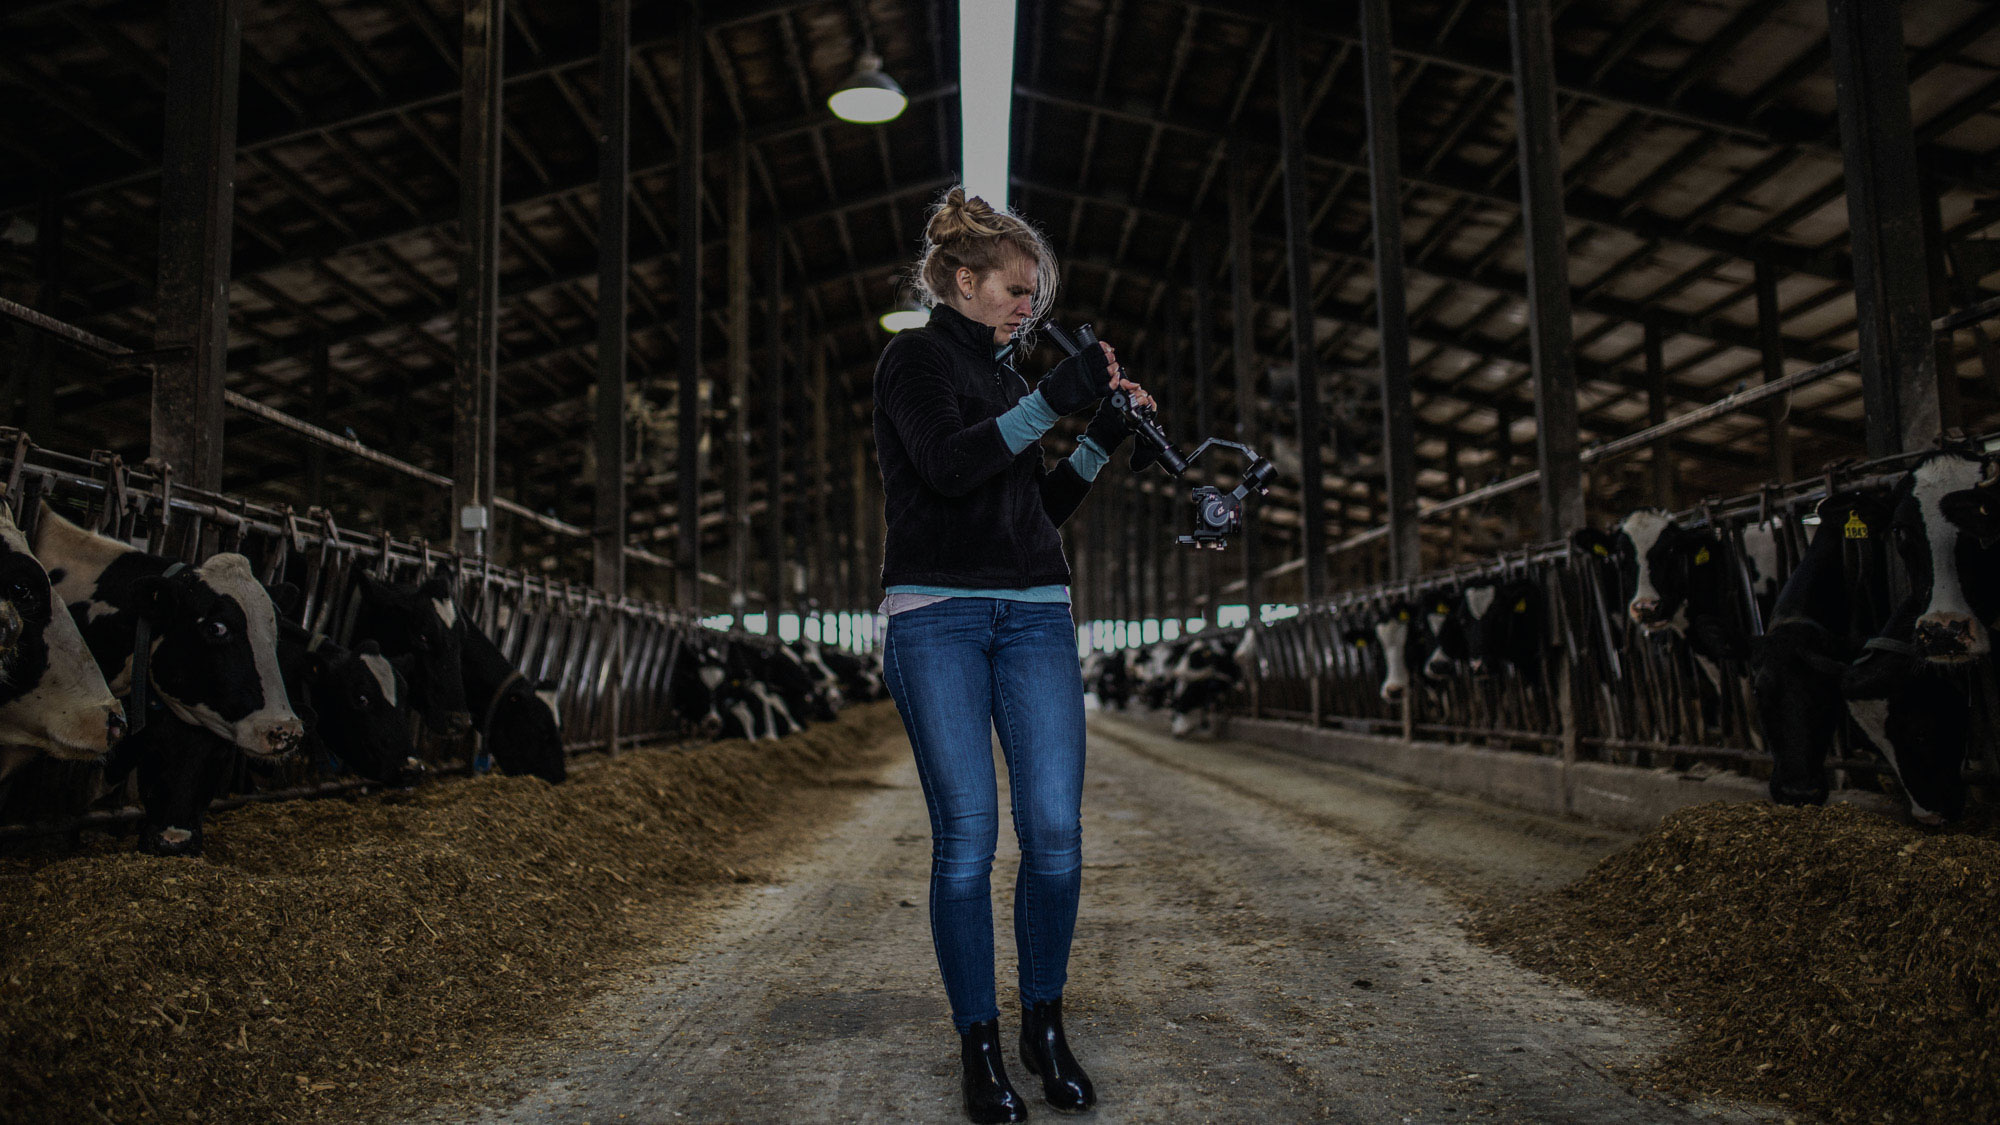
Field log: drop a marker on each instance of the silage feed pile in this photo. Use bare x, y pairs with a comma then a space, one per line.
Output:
328, 954
1826, 959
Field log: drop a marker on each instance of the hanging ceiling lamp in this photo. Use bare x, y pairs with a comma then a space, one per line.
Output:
868, 97
906, 316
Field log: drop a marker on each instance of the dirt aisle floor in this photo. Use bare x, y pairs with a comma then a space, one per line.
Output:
1262, 939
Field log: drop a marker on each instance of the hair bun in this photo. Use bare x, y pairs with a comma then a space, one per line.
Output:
960, 216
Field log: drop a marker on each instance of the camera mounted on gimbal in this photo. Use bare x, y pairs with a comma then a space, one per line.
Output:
1217, 514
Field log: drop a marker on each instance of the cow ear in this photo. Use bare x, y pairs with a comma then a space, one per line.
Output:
435, 587
370, 589
545, 685
369, 647
287, 598
1590, 541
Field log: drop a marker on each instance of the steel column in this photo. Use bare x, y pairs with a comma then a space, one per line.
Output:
1777, 436
821, 495
322, 372
688, 397
1899, 375
739, 379
1243, 324
1385, 181
476, 371
197, 206
1550, 342
614, 77
38, 355
1662, 453
774, 430
1205, 568
1298, 263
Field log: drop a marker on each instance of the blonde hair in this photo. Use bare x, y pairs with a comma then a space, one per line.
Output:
969, 233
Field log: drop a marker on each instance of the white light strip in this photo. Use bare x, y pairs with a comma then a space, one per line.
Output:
986, 96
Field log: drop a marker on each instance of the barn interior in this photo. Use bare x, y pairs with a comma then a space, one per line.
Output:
1202, 169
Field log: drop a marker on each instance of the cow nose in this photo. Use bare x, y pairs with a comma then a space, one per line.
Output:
285, 737
458, 722
1643, 609
114, 725
1392, 692
1949, 636
1478, 664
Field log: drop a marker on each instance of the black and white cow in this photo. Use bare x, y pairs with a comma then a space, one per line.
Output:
794, 684
214, 633
1504, 628
1110, 676
1680, 582
1207, 672
1826, 609
517, 727
1400, 636
1444, 615
860, 675
1901, 691
825, 680
355, 703
421, 622
53, 698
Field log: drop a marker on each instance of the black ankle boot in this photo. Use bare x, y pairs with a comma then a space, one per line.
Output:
1044, 1053
989, 1097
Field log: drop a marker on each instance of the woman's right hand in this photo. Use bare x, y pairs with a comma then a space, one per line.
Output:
1078, 382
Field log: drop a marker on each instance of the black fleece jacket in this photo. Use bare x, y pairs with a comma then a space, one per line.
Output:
962, 510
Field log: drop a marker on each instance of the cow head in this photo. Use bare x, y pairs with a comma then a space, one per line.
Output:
362, 700
1394, 633
215, 660
1658, 557
422, 622
52, 694
1936, 556
1444, 614
1503, 626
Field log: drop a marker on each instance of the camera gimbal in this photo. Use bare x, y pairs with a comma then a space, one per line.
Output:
1217, 514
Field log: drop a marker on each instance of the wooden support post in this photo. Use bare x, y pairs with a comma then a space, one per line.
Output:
614, 77
475, 384
1243, 341
693, 420
1385, 179
1298, 264
1777, 436
1550, 339
197, 208
774, 430
1899, 374
1662, 453
739, 379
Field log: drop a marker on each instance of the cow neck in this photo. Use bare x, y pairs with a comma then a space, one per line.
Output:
486, 674
142, 663
81, 555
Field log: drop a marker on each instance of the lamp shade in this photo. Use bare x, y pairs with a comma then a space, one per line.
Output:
868, 97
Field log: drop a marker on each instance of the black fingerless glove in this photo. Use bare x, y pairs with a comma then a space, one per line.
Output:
1077, 382
1108, 427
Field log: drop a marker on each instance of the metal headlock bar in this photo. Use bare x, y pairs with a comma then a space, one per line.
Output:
1632, 698
552, 629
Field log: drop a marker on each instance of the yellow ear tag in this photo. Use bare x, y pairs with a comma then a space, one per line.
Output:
1599, 551
1854, 528
1701, 557
1361, 642
1442, 608
1521, 606
1402, 615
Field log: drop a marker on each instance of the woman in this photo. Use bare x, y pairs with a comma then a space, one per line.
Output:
979, 633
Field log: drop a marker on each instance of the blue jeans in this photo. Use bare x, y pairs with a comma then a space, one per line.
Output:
960, 669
